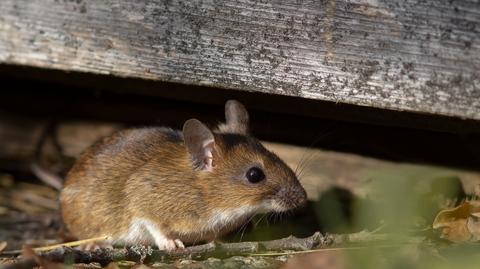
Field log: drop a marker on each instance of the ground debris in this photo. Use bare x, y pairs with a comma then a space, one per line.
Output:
205, 252
28, 214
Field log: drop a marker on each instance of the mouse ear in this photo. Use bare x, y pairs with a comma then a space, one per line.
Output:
200, 144
236, 116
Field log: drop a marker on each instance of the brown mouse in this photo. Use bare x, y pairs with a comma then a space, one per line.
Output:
166, 187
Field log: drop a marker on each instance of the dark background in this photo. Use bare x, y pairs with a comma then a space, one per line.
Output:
391, 135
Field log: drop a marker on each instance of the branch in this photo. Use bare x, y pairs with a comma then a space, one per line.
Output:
146, 254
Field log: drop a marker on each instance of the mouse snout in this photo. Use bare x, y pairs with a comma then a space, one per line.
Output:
292, 197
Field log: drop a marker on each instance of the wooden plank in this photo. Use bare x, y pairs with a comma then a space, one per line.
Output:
416, 55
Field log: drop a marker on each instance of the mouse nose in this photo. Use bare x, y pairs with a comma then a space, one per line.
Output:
294, 196
302, 196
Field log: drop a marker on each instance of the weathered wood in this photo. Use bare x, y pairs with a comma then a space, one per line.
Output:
419, 56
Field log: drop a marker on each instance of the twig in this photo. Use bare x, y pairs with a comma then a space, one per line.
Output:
3, 245
324, 249
143, 254
52, 247
47, 177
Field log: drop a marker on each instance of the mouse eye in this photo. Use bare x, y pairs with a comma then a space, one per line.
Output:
255, 175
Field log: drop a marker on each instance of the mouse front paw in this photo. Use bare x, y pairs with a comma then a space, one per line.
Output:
169, 244
179, 243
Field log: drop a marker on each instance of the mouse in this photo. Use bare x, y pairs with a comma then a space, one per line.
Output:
170, 188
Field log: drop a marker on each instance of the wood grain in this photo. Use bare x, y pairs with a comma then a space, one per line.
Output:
416, 55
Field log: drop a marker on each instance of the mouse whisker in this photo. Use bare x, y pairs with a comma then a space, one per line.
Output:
318, 139
259, 220
307, 161
243, 228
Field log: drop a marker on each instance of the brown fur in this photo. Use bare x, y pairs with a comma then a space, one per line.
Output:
148, 173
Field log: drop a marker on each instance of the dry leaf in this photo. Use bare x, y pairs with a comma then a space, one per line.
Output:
473, 226
461, 223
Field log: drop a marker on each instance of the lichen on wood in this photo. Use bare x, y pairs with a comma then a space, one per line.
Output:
419, 56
